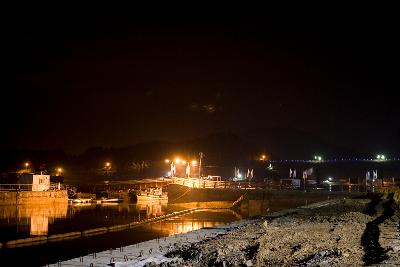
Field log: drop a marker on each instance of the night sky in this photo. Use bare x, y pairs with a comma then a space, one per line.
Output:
85, 77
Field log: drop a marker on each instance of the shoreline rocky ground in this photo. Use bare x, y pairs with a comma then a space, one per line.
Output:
346, 232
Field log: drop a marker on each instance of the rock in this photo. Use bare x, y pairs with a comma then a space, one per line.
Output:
248, 263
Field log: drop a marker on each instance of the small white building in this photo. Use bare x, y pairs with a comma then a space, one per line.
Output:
35, 182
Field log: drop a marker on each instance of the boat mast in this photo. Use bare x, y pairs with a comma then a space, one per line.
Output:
201, 156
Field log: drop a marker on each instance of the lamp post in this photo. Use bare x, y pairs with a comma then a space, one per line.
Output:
26, 166
107, 168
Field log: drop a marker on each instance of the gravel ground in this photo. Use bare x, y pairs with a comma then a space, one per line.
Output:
348, 232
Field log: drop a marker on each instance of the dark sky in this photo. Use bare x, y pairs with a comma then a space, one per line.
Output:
79, 77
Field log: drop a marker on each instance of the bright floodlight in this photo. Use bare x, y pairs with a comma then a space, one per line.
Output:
183, 161
239, 175
167, 161
194, 162
383, 157
177, 160
378, 157
26, 164
108, 164
319, 158
59, 169
330, 179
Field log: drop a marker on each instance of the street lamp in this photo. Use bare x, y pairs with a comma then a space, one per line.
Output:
319, 158
167, 161
107, 168
381, 157
59, 171
26, 166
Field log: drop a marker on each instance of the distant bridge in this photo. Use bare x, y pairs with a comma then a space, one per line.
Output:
333, 160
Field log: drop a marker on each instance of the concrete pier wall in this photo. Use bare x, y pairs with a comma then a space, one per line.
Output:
29, 197
181, 194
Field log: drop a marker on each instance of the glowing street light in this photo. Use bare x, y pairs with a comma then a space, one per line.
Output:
167, 161
381, 157
59, 171
26, 166
183, 161
319, 158
263, 157
108, 164
194, 162
177, 160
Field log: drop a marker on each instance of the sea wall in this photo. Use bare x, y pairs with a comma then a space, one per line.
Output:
182, 194
30, 197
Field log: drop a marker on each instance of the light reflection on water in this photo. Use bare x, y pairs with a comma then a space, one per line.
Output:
41, 220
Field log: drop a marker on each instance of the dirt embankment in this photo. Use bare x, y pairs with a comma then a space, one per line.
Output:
348, 232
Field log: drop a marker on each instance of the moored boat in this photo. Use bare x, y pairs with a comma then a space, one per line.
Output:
81, 200
149, 194
111, 200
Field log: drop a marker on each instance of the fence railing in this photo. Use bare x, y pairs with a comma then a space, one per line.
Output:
30, 187
204, 183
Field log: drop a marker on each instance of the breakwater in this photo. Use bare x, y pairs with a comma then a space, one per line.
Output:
184, 194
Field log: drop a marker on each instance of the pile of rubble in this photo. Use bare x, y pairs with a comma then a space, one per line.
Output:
330, 234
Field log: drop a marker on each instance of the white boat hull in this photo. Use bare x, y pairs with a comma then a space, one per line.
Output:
143, 198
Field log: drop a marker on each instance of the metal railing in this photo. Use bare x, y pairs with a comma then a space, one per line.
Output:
30, 187
204, 183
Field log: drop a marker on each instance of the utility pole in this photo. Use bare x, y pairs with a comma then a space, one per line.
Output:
201, 156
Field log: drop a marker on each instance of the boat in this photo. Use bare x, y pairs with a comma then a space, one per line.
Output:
149, 194
81, 200
111, 200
